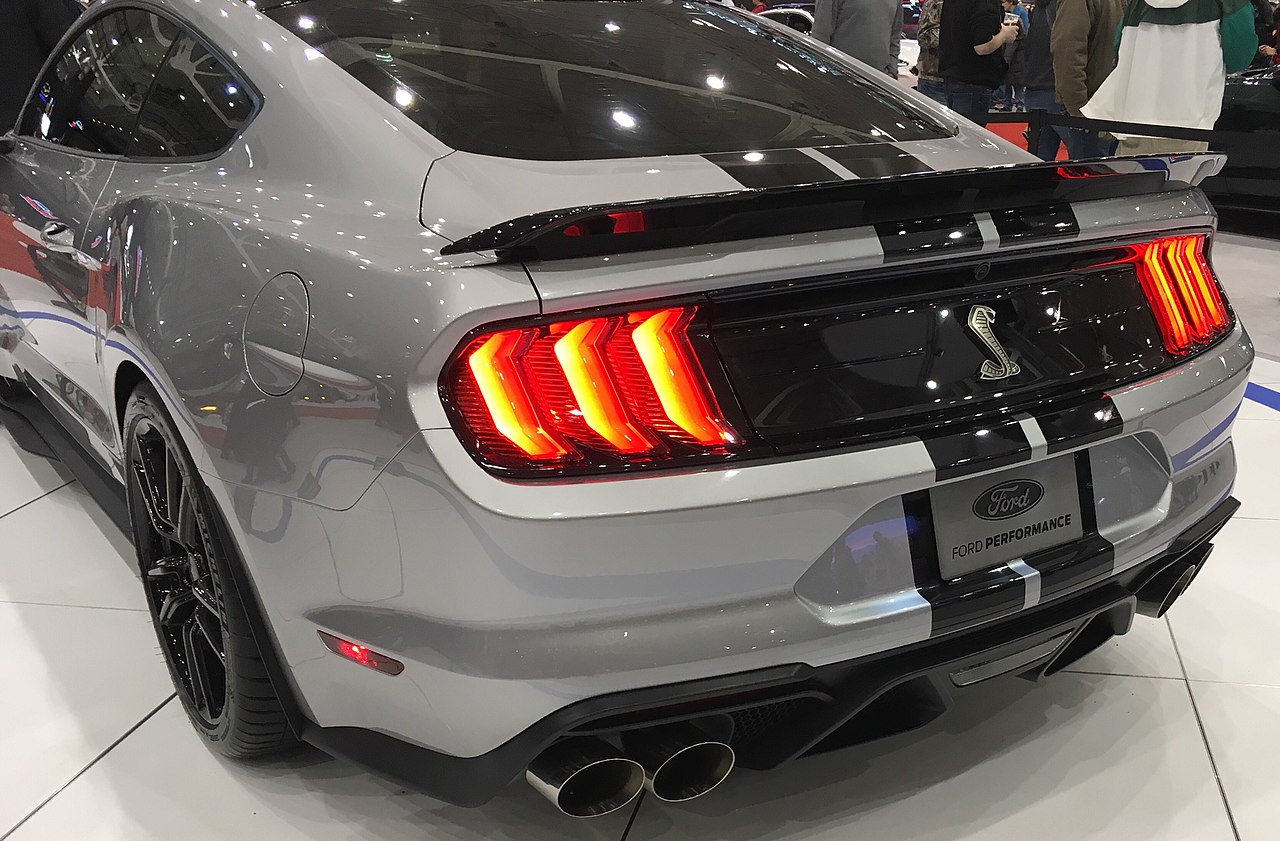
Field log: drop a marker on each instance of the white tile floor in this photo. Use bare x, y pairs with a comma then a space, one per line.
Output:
1172, 732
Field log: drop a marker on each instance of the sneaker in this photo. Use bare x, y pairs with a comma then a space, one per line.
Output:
1020, 109
999, 106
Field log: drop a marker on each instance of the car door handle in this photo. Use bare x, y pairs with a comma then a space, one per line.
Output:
58, 235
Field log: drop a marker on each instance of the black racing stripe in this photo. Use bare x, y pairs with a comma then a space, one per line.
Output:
779, 168
1066, 568
1079, 425
969, 600
962, 453
976, 598
918, 513
1084, 485
1038, 223
922, 237
876, 160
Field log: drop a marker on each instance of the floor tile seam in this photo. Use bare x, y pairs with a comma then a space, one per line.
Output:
1204, 734
1242, 684
27, 603
31, 502
1118, 674
9, 833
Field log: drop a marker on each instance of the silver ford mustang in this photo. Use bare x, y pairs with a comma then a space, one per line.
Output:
601, 393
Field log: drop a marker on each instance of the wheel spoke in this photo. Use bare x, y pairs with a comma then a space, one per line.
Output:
187, 532
176, 608
173, 487
204, 594
152, 481
197, 674
167, 566
211, 630
148, 498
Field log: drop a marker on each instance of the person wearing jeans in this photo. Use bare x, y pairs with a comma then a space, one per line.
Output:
1051, 137
930, 83
973, 102
1041, 94
1083, 44
1011, 96
970, 45
1083, 145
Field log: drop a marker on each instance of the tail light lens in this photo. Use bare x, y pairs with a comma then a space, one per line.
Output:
593, 393
1182, 291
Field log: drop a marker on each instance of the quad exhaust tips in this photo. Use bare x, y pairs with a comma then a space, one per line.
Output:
1162, 589
681, 761
586, 777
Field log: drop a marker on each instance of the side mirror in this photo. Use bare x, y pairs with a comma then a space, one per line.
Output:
7, 142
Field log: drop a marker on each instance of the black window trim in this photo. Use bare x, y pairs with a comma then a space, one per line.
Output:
184, 28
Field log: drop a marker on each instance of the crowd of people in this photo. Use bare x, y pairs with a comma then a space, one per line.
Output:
1151, 62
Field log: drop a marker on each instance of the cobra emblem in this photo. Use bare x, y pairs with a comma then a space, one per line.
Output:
980, 320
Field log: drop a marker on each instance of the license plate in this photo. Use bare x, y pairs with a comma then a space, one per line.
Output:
986, 521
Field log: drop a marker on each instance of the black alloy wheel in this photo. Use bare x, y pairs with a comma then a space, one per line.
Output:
177, 570
204, 632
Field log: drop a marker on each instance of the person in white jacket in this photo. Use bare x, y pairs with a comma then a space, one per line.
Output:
1173, 59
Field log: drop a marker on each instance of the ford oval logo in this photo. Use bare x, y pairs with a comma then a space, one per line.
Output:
1008, 499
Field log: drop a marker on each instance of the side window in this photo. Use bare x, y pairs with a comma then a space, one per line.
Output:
90, 98
196, 107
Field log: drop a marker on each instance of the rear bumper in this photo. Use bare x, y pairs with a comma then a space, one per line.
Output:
507, 604
788, 711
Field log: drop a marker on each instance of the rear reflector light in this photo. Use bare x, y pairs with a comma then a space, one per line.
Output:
614, 390
357, 653
1183, 294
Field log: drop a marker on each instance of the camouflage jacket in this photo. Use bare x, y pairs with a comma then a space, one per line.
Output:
930, 27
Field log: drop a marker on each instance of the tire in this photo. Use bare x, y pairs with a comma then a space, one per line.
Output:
205, 637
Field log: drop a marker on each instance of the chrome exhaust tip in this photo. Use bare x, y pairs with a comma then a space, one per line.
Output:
681, 761
585, 777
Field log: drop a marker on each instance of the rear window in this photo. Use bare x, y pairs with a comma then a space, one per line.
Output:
575, 79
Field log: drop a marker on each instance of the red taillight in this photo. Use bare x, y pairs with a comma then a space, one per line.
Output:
615, 389
494, 367
663, 346
609, 224
581, 354
357, 653
1183, 294
629, 222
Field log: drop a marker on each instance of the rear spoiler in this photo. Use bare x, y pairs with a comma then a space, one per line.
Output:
654, 224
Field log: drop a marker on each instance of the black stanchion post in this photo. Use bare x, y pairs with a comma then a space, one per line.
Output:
1035, 125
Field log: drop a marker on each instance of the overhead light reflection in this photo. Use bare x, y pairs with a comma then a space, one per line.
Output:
624, 119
